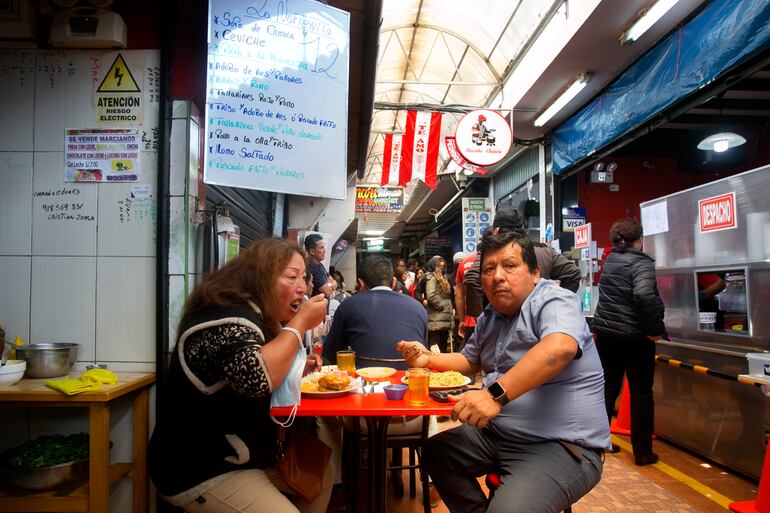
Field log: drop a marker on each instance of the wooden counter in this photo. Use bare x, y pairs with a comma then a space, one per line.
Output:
93, 496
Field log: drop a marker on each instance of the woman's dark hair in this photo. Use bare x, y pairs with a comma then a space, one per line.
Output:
625, 232
492, 242
250, 277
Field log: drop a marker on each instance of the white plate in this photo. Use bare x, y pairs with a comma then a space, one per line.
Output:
467, 382
329, 368
327, 395
376, 373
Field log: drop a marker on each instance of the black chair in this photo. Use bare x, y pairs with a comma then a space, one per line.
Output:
413, 442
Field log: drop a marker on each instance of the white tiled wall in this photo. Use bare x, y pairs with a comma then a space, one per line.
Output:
64, 302
125, 305
16, 197
15, 276
16, 102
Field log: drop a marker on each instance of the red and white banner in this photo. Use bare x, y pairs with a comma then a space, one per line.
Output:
718, 213
419, 149
451, 148
583, 236
391, 160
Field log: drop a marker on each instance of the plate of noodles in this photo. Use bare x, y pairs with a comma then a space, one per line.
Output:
444, 380
326, 384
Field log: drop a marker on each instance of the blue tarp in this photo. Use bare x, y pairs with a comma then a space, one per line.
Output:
724, 34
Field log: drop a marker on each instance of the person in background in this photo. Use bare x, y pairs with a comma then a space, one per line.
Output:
627, 322
419, 275
322, 282
399, 271
456, 259
539, 422
438, 301
214, 447
467, 322
339, 279
411, 269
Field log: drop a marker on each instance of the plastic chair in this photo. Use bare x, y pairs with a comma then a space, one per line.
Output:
396, 443
493, 482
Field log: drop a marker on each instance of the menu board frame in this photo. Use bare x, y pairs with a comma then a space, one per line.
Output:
277, 97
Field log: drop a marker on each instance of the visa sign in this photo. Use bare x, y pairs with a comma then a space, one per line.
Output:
583, 236
570, 223
718, 213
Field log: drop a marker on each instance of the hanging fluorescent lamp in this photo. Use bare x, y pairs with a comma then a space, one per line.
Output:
648, 18
564, 99
721, 142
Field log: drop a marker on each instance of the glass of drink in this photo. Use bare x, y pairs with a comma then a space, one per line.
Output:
419, 382
346, 361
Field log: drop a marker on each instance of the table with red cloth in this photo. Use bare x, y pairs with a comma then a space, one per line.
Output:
377, 410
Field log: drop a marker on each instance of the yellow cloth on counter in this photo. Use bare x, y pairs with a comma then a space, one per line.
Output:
72, 386
100, 376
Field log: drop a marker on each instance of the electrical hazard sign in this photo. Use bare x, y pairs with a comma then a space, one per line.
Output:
118, 99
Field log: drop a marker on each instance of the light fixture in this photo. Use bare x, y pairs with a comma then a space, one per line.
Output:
647, 19
611, 167
375, 233
721, 142
564, 99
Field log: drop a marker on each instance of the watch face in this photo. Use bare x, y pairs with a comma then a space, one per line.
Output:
495, 390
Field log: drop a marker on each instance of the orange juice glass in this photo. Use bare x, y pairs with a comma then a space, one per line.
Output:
346, 361
419, 383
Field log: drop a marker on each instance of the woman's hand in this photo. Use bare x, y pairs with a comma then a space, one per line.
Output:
415, 354
311, 313
313, 364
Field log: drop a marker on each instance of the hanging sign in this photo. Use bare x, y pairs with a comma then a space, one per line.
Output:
573, 217
583, 236
277, 97
718, 213
379, 199
477, 216
451, 148
483, 137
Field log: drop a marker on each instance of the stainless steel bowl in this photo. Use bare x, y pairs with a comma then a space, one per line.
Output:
48, 360
47, 478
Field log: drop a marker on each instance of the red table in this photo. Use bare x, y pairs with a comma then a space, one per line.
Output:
377, 411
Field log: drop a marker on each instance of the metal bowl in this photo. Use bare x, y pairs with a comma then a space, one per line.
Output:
48, 360
47, 478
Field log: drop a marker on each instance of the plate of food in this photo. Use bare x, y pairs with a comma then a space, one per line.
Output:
444, 380
326, 384
375, 373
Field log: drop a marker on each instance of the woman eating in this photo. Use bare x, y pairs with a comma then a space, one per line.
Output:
214, 445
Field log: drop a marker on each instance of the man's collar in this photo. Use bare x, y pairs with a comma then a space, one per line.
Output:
382, 287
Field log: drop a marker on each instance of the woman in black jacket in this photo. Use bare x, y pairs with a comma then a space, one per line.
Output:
628, 321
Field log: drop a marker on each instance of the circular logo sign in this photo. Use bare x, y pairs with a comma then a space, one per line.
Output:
483, 137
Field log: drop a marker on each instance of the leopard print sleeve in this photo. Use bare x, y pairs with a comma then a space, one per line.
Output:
229, 353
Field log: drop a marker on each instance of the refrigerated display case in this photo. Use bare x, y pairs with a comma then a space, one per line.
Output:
711, 244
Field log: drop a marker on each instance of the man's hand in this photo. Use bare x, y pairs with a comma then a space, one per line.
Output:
312, 364
475, 408
461, 330
332, 283
415, 354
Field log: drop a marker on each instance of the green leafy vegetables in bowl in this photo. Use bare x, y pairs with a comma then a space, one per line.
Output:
47, 451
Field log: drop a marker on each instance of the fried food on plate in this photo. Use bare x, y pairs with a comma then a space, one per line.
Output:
334, 381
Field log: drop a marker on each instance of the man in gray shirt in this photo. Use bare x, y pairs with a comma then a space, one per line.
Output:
540, 421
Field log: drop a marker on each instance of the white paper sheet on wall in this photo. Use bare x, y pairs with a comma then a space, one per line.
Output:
655, 218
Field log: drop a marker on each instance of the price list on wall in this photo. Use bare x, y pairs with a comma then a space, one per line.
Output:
277, 93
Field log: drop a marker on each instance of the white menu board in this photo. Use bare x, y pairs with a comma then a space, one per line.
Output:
277, 96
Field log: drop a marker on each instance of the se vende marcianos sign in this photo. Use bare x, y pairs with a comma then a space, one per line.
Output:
276, 97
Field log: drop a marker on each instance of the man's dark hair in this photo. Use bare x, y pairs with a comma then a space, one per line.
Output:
625, 232
310, 241
492, 242
376, 270
411, 262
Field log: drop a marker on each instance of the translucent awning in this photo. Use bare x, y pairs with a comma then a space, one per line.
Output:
446, 54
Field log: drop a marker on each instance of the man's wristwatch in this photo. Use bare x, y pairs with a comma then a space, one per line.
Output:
497, 392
